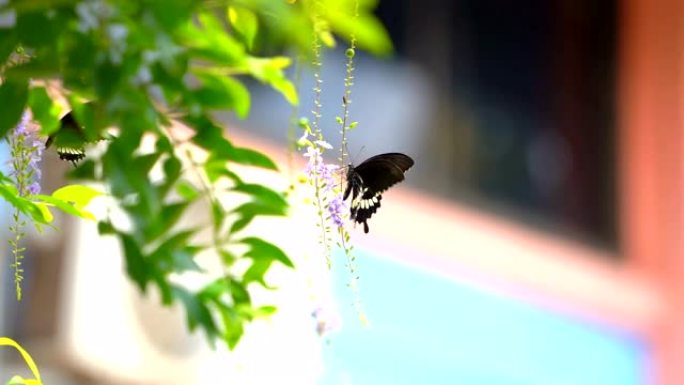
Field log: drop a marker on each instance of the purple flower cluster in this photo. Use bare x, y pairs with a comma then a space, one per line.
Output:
317, 168
27, 151
327, 320
337, 208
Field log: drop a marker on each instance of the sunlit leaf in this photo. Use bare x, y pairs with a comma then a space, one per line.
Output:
79, 195
270, 71
257, 271
233, 328
187, 190
6, 341
245, 23
45, 211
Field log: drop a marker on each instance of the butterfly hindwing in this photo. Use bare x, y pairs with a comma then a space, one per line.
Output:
367, 181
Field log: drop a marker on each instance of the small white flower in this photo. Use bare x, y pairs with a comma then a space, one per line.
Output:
324, 144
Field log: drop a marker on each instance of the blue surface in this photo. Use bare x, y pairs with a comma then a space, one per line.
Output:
429, 330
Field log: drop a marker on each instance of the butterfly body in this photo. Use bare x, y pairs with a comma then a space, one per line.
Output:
367, 181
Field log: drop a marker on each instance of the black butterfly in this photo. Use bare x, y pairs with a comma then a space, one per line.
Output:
367, 181
70, 140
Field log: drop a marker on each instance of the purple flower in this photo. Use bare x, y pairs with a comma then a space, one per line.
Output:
316, 167
27, 152
336, 209
34, 188
324, 173
327, 320
22, 127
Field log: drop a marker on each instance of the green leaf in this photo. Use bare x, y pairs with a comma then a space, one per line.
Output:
218, 215
168, 217
105, 228
187, 190
250, 312
65, 206
216, 168
45, 111
233, 326
136, 266
198, 313
227, 257
258, 248
241, 223
239, 293
264, 311
369, 32
175, 255
270, 71
172, 171
215, 289
257, 208
45, 211
249, 157
245, 23
172, 168
4, 179
84, 171
257, 271
262, 195
327, 38
25, 206
28, 360
144, 163
36, 29
222, 92
209, 40
164, 285
79, 195
8, 43
13, 98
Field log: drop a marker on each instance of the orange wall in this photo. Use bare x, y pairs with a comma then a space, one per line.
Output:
651, 164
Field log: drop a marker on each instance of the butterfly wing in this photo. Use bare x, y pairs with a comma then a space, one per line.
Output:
383, 171
70, 139
367, 181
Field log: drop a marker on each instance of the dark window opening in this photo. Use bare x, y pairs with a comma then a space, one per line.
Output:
526, 118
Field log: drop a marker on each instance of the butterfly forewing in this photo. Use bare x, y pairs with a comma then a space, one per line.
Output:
367, 181
383, 171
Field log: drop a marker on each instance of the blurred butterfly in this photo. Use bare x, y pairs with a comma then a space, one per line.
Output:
367, 181
70, 140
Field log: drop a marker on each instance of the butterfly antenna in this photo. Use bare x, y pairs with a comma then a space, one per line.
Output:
353, 159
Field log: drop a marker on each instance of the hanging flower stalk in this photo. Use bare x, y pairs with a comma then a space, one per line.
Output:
26, 152
318, 172
345, 126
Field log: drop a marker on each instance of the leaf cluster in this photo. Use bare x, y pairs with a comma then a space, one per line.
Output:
149, 66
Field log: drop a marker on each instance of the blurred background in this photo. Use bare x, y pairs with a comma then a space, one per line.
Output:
537, 240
